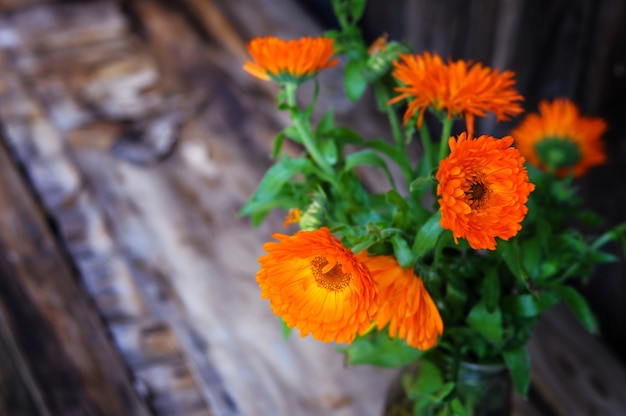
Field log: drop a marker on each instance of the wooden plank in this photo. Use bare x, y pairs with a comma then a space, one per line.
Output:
61, 345
154, 233
574, 372
18, 396
107, 90
8, 5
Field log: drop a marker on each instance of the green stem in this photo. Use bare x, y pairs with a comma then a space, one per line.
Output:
427, 142
304, 131
396, 129
397, 132
609, 236
445, 135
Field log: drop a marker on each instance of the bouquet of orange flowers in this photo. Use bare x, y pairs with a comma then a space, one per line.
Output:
457, 262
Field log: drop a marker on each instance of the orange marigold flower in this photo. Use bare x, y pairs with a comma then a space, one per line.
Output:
560, 139
406, 305
289, 60
460, 88
292, 217
317, 285
483, 188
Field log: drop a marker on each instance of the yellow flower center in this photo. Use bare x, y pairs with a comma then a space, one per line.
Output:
330, 278
476, 192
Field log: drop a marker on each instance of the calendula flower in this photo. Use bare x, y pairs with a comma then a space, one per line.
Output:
289, 60
292, 217
405, 304
561, 140
459, 88
317, 285
483, 188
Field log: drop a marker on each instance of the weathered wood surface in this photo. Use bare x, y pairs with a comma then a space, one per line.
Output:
142, 138
65, 347
575, 373
52, 340
142, 151
8, 5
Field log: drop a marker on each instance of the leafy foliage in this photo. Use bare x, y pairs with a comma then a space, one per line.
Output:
489, 300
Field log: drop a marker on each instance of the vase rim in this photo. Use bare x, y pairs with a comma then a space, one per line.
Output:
483, 367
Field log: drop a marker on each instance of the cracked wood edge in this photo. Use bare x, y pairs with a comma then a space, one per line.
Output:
61, 347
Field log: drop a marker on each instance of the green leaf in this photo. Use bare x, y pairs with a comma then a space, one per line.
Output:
601, 257
258, 210
429, 379
427, 236
527, 305
401, 250
326, 124
457, 407
444, 240
426, 386
393, 197
278, 144
455, 299
488, 324
578, 305
329, 151
518, 362
273, 182
491, 289
589, 218
531, 256
549, 268
510, 253
420, 183
309, 110
289, 132
285, 329
292, 133
283, 106
380, 350
401, 218
354, 80
347, 135
382, 146
574, 240
443, 392
367, 157
357, 8
369, 240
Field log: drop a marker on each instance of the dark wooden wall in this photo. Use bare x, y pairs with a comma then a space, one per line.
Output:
558, 48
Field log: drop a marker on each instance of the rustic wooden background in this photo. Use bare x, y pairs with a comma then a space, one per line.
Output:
130, 138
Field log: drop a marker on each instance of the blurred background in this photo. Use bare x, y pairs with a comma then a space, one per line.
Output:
129, 140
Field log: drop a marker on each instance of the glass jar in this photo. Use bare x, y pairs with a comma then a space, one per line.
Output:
482, 390
485, 389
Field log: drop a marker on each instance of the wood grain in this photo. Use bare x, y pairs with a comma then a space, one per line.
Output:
575, 373
52, 332
144, 183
